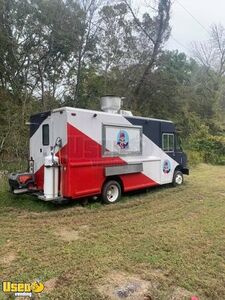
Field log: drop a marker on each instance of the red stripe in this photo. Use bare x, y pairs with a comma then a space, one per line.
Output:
85, 166
136, 181
39, 178
83, 171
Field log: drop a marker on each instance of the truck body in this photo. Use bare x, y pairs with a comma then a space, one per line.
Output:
97, 147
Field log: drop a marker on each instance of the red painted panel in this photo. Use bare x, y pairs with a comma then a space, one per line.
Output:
39, 178
83, 168
84, 173
136, 181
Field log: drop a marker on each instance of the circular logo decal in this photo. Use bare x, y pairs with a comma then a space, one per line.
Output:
166, 167
123, 139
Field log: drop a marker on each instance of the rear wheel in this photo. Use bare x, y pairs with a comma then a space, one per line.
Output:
111, 192
178, 178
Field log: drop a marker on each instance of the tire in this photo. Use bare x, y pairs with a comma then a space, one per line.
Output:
178, 178
111, 192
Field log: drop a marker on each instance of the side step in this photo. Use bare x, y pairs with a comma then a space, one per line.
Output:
21, 191
55, 200
24, 191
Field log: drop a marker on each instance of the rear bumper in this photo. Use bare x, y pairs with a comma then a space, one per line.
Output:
14, 184
21, 181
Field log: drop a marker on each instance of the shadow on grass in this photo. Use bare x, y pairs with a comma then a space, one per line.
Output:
32, 203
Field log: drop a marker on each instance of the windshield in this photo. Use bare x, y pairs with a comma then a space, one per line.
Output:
178, 143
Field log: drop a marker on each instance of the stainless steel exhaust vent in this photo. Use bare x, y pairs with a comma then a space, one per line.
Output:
111, 104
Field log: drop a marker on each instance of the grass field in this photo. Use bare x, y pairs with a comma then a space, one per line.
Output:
172, 239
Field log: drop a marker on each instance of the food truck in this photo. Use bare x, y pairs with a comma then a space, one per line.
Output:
77, 153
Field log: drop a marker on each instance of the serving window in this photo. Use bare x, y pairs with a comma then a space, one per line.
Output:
122, 140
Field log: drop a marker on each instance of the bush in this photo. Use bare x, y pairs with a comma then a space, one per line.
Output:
194, 157
211, 148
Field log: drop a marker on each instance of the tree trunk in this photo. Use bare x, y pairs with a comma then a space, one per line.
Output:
42, 86
77, 90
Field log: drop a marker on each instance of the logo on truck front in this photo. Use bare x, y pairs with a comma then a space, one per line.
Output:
123, 139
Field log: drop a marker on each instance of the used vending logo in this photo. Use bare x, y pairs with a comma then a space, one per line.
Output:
21, 289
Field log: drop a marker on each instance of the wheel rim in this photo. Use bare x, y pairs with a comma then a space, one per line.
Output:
112, 193
179, 179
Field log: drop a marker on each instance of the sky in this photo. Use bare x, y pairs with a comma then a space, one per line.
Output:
186, 30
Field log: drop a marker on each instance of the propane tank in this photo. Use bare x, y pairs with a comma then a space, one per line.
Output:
51, 177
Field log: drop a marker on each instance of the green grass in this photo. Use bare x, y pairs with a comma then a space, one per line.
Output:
179, 232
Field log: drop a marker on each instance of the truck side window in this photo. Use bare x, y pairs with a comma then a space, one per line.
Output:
168, 142
45, 135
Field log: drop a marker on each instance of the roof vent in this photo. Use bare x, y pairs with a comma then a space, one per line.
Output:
126, 113
111, 104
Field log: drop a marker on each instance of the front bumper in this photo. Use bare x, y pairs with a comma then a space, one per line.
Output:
185, 171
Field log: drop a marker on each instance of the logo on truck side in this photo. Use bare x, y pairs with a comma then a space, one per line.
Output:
123, 139
166, 167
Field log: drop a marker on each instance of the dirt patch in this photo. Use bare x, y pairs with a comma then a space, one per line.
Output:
69, 235
124, 286
180, 294
118, 286
50, 285
84, 227
8, 258
157, 275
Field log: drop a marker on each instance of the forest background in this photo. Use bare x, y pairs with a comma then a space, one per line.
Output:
57, 53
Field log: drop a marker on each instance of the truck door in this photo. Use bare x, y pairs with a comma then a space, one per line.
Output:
45, 140
180, 156
41, 140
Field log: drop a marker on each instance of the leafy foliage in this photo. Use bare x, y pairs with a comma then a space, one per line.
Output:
211, 148
70, 52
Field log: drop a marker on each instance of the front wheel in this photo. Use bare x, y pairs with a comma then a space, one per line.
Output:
178, 178
111, 192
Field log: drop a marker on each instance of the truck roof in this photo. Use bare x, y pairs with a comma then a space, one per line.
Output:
66, 108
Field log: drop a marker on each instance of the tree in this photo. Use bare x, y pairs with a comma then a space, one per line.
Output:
115, 39
211, 56
154, 31
84, 26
